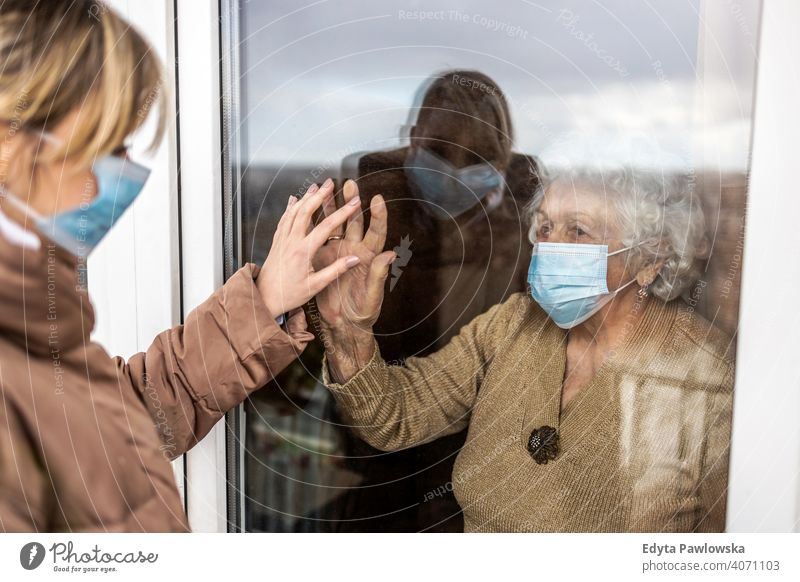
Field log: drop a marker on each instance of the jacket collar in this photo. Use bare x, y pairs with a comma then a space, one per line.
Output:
44, 307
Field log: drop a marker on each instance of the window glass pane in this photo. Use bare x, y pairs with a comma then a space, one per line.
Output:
456, 112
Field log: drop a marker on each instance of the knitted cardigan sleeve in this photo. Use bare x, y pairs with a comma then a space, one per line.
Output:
393, 407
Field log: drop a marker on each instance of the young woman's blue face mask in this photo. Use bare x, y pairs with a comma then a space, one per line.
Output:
568, 280
446, 190
119, 182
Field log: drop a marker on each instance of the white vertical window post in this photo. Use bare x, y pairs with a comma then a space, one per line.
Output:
764, 479
201, 223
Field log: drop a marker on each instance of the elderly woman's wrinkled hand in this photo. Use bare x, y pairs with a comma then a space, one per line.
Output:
354, 301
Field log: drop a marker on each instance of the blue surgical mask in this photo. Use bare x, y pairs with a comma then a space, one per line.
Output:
119, 182
568, 280
446, 190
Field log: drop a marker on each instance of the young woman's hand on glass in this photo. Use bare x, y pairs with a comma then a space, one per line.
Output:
288, 279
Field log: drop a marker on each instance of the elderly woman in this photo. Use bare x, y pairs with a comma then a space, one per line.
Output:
599, 402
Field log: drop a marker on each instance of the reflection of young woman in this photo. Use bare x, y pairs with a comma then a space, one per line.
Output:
587, 409
85, 439
452, 192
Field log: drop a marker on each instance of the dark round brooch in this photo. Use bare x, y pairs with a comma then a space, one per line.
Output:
543, 444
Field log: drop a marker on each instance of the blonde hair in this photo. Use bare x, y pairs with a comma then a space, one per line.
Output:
59, 57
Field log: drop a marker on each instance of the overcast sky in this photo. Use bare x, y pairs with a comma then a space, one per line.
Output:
323, 79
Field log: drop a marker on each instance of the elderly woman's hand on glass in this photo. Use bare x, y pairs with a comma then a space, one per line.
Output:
287, 279
350, 307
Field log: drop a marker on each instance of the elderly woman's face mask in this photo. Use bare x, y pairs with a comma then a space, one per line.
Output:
568, 280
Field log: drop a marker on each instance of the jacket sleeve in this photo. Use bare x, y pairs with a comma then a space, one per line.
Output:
192, 374
22, 483
713, 487
398, 406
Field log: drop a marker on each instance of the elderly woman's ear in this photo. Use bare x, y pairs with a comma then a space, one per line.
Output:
648, 274
703, 251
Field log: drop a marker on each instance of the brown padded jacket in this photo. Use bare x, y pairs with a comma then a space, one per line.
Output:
85, 438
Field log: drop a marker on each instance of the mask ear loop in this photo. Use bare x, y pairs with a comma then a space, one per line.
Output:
625, 249
19, 204
50, 138
642, 292
618, 289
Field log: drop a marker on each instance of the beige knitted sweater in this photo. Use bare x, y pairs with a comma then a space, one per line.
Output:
643, 446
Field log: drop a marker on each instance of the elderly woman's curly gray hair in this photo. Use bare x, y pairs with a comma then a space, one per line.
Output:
658, 213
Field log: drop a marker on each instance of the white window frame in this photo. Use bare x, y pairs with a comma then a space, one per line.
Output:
198, 58
764, 484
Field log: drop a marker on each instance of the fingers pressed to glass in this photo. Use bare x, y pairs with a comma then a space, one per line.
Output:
375, 282
292, 209
355, 226
309, 205
328, 208
285, 217
324, 277
333, 223
376, 233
